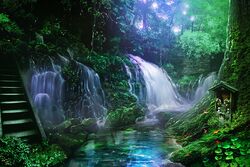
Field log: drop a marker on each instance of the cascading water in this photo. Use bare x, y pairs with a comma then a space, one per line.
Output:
54, 98
92, 100
136, 83
161, 93
47, 95
203, 85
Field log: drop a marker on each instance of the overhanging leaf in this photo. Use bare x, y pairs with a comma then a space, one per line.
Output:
229, 157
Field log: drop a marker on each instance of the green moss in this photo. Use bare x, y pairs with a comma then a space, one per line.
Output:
124, 116
197, 121
15, 152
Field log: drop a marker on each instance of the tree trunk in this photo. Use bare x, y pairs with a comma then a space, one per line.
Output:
236, 64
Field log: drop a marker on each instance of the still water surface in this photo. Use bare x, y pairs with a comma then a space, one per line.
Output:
128, 148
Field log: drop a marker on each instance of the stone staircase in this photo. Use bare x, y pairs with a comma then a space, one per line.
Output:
16, 115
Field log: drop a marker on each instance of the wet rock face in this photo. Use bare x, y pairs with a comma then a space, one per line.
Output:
75, 126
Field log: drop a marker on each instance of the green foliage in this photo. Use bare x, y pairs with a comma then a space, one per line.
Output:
105, 65
52, 31
124, 116
186, 80
15, 152
193, 122
71, 75
170, 69
45, 155
8, 26
51, 28
195, 151
211, 17
195, 44
232, 152
122, 106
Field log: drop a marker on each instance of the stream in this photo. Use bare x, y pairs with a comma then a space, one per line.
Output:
126, 148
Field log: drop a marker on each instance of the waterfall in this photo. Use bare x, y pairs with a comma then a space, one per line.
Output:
56, 99
47, 95
161, 93
203, 86
136, 83
92, 100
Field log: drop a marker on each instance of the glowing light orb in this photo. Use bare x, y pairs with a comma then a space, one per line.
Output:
184, 12
186, 6
155, 5
170, 2
176, 29
192, 18
139, 25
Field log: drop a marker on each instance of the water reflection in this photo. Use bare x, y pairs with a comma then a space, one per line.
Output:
128, 148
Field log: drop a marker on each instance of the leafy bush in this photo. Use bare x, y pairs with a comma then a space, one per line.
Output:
104, 64
124, 116
15, 152
6, 25
196, 44
186, 80
232, 152
170, 70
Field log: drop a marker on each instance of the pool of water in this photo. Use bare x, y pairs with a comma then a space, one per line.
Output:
127, 148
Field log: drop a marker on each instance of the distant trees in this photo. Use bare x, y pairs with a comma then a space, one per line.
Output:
144, 27
207, 33
196, 44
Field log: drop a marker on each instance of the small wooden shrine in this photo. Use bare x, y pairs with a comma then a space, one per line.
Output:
226, 97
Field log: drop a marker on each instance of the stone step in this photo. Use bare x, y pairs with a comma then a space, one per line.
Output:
13, 105
9, 80
12, 102
15, 114
17, 117
10, 83
18, 121
8, 70
12, 126
22, 133
12, 96
9, 76
14, 111
11, 89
